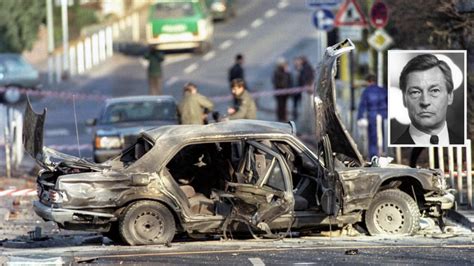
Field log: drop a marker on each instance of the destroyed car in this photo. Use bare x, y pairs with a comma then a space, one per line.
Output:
235, 176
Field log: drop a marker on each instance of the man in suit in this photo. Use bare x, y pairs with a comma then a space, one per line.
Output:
427, 86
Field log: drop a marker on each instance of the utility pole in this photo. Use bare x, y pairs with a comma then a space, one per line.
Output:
50, 23
65, 30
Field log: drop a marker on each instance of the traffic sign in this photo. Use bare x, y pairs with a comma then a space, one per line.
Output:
379, 15
380, 40
323, 19
322, 3
350, 14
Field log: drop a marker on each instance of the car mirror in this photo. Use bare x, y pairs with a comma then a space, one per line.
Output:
91, 122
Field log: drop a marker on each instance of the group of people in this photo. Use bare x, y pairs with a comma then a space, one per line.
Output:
283, 79
195, 107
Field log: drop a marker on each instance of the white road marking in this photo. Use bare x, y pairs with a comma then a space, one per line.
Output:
242, 34
191, 68
270, 13
226, 44
256, 261
56, 132
171, 81
256, 23
282, 4
5, 192
170, 59
209, 56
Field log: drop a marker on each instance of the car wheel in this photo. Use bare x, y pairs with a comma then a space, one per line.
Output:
392, 212
203, 48
147, 222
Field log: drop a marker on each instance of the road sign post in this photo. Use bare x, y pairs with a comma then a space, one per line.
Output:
380, 41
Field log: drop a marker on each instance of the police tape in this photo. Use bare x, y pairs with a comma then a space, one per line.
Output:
13, 192
96, 97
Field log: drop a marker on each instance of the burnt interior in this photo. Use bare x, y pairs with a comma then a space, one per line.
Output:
204, 172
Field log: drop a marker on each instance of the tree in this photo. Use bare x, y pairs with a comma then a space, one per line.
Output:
19, 23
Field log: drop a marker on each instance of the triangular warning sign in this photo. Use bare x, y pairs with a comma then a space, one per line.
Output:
350, 14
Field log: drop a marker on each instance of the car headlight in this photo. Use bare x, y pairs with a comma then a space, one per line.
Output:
218, 7
107, 142
439, 180
202, 28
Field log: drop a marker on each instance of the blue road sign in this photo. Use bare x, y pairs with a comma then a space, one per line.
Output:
323, 19
322, 3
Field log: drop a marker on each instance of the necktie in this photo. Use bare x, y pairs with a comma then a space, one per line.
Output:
434, 139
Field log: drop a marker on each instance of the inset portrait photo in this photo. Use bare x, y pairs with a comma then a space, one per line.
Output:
427, 98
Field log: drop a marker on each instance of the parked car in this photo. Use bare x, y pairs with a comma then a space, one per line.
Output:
221, 9
122, 119
242, 175
180, 24
16, 74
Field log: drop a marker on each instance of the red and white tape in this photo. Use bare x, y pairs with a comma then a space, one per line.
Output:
13, 192
96, 97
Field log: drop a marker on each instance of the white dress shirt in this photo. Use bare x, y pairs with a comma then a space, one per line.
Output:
421, 138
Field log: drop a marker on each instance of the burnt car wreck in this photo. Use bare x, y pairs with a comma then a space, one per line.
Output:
242, 175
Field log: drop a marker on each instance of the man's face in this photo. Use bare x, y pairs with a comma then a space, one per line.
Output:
427, 99
237, 90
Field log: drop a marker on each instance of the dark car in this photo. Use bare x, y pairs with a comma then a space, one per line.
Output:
244, 175
122, 119
221, 9
16, 74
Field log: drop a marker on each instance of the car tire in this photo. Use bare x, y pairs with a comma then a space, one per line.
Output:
147, 222
392, 212
203, 48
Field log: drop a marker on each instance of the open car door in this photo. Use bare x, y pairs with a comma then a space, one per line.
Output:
263, 191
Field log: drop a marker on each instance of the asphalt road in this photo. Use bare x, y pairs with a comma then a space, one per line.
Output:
297, 251
262, 31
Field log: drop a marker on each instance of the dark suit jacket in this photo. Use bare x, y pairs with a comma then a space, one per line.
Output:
406, 138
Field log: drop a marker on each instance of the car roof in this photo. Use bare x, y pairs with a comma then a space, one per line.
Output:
240, 127
141, 98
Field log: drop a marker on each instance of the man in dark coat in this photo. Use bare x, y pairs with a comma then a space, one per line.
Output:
282, 80
304, 79
237, 70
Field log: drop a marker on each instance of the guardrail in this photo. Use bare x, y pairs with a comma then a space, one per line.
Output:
95, 46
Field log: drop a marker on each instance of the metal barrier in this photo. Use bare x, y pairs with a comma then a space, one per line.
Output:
460, 173
11, 125
95, 47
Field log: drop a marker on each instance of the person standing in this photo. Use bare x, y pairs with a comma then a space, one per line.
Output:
373, 102
154, 57
281, 80
237, 70
194, 107
304, 79
244, 105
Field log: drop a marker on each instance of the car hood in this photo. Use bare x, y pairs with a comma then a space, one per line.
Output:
327, 118
130, 128
48, 158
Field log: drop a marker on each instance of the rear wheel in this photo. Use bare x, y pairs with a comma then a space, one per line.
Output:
146, 223
392, 212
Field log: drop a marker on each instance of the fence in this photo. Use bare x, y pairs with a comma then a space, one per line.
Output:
95, 46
